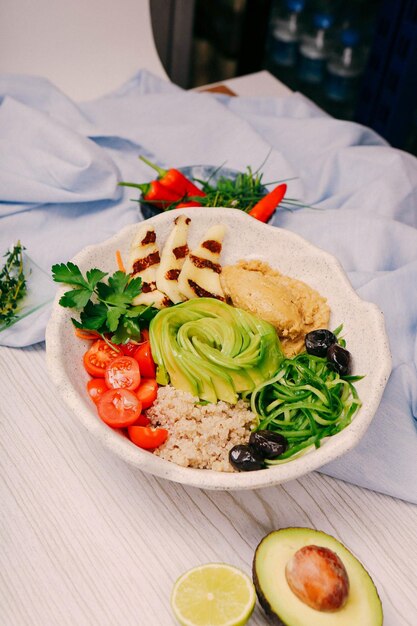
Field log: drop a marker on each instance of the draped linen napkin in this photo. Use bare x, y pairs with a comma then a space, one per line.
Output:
61, 162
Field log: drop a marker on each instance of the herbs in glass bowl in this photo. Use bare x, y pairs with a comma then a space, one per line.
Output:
24, 287
210, 186
13, 286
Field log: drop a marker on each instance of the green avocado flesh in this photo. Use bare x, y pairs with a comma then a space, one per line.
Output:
362, 608
213, 350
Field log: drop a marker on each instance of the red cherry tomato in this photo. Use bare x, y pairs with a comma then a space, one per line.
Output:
123, 373
96, 387
147, 392
144, 335
129, 348
143, 356
98, 357
146, 437
119, 408
142, 420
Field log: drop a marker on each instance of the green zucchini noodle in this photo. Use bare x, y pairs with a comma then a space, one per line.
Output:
305, 402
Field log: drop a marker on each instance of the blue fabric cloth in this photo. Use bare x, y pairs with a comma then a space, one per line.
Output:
61, 161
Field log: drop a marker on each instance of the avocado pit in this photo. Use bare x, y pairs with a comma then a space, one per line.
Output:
317, 576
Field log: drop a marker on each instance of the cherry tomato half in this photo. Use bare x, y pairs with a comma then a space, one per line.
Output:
144, 335
96, 387
123, 373
147, 392
142, 420
119, 408
98, 357
146, 437
129, 348
143, 356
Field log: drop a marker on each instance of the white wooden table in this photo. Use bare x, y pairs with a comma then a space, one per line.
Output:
86, 539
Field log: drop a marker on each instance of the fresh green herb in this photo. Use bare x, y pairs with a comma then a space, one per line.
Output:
105, 307
243, 192
13, 285
305, 402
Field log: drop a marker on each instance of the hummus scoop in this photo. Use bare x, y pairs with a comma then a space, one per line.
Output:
291, 306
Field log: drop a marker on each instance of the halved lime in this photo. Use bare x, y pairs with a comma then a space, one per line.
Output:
215, 594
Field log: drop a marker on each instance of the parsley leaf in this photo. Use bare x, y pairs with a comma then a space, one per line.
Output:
113, 317
118, 282
76, 298
128, 329
93, 276
105, 307
94, 316
103, 291
134, 287
70, 274
146, 313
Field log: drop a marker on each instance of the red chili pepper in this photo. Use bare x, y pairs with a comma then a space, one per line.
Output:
266, 206
176, 181
156, 193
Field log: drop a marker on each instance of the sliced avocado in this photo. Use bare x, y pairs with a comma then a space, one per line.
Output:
363, 605
180, 375
213, 350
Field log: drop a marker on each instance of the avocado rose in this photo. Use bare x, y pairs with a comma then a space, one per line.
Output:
213, 350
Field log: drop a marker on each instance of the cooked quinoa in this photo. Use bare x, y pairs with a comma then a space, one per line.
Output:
200, 436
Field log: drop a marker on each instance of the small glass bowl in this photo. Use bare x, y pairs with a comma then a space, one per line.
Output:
208, 173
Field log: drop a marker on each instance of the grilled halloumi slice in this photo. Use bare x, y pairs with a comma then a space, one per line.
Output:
200, 274
143, 262
173, 256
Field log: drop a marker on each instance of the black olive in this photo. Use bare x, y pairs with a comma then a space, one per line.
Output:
339, 359
244, 458
319, 341
269, 444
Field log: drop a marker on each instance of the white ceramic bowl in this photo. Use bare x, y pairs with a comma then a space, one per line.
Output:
363, 328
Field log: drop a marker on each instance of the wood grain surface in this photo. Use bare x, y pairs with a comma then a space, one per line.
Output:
88, 540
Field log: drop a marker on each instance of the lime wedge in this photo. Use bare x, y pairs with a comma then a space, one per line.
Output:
214, 594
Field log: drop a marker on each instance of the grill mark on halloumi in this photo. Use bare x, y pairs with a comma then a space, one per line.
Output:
142, 264
150, 237
180, 252
172, 274
212, 245
147, 287
200, 263
202, 293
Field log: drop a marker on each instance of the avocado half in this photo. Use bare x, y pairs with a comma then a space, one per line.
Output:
363, 606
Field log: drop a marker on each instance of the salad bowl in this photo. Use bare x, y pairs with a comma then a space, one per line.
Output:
363, 329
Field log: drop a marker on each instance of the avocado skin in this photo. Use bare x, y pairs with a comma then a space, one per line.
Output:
273, 618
